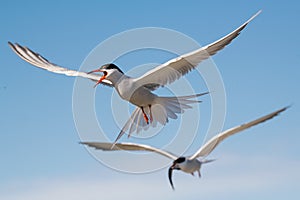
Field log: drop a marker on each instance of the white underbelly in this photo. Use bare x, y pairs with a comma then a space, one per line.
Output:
137, 96
191, 166
142, 97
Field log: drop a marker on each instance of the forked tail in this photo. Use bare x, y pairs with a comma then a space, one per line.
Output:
170, 107
207, 161
162, 109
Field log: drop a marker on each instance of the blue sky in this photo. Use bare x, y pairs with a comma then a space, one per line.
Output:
40, 154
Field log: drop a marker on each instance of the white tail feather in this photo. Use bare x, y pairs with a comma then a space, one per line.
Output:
163, 109
173, 106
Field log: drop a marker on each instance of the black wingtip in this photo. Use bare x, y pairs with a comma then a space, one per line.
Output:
202, 94
284, 108
287, 107
11, 45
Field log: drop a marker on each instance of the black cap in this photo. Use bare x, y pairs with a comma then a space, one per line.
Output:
111, 66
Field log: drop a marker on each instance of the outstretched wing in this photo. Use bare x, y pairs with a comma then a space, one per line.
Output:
175, 68
128, 147
39, 61
208, 147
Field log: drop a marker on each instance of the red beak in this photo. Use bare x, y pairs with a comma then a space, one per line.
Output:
96, 70
101, 79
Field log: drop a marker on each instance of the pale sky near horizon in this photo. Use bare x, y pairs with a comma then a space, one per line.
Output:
40, 154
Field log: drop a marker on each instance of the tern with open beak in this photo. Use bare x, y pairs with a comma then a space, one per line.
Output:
189, 164
151, 108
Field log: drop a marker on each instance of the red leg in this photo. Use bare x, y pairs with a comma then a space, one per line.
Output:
145, 116
199, 174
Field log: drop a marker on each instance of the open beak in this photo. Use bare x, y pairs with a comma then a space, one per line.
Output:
94, 71
102, 78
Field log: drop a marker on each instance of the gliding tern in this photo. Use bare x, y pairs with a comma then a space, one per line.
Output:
138, 91
188, 164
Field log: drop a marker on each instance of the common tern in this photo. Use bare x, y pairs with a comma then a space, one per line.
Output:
187, 164
151, 108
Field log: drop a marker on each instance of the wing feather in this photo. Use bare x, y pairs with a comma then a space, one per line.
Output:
208, 147
39, 61
128, 147
178, 67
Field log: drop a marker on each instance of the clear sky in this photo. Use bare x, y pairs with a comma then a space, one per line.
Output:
40, 154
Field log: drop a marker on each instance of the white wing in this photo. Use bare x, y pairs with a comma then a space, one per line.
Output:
175, 68
41, 62
128, 147
208, 147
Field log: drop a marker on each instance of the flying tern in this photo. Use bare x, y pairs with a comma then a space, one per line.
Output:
188, 164
151, 108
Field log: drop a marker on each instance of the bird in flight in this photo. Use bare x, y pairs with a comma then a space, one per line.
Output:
187, 164
151, 108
